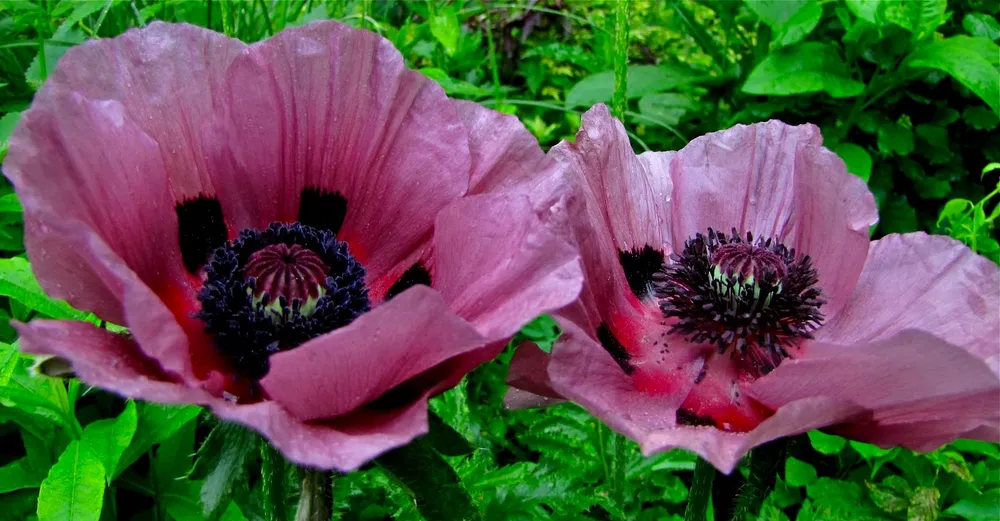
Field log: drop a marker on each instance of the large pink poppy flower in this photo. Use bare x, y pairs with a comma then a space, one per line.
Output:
301, 234
732, 296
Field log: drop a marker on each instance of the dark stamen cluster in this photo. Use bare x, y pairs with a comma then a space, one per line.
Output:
248, 325
754, 299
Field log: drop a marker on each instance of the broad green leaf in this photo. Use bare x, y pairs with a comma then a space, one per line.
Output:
9, 358
984, 448
799, 473
802, 69
156, 423
895, 138
74, 488
109, 438
920, 17
856, 158
827, 444
446, 30
980, 118
924, 505
892, 496
20, 474
776, 12
952, 463
867, 10
970, 60
222, 462
800, 25
10, 203
982, 24
18, 283
667, 107
983, 507
642, 80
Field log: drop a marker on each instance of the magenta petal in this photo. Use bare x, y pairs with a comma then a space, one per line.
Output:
909, 378
529, 371
498, 265
167, 78
332, 108
338, 372
776, 180
926, 282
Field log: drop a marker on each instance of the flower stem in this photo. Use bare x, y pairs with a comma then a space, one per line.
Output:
619, 101
272, 470
701, 492
765, 463
316, 501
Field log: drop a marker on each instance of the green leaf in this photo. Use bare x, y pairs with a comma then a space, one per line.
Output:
984, 448
920, 17
803, 69
7, 124
446, 30
222, 462
83, 9
952, 463
453, 87
869, 451
799, 473
867, 10
983, 507
54, 50
954, 209
9, 358
892, 496
970, 60
980, 118
641, 80
924, 505
776, 12
18, 283
895, 138
432, 482
668, 107
74, 488
156, 423
827, 444
10, 203
109, 438
856, 158
445, 439
800, 25
20, 474
982, 24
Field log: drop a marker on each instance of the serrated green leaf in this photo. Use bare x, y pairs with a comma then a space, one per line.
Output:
857, 159
982, 24
799, 473
803, 69
924, 505
54, 50
74, 488
446, 30
109, 438
222, 462
970, 60
18, 283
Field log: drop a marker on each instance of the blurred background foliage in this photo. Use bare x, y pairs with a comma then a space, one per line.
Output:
907, 92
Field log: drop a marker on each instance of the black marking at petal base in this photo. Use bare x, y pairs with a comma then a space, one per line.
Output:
686, 417
640, 265
322, 210
416, 274
201, 229
615, 348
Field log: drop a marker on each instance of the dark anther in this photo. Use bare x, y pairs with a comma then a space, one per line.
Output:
615, 348
201, 229
322, 210
414, 275
640, 265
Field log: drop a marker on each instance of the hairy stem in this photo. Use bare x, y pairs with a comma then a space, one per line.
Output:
701, 492
316, 501
618, 102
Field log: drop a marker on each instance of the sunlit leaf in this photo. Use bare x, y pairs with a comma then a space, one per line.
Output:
74, 488
802, 69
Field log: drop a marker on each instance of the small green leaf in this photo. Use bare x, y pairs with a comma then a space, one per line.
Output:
869, 451
954, 209
920, 17
867, 10
802, 69
800, 25
776, 12
952, 463
827, 444
924, 505
222, 462
799, 473
856, 158
895, 138
446, 30
454, 87
109, 438
18, 283
892, 496
982, 24
970, 60
74, 488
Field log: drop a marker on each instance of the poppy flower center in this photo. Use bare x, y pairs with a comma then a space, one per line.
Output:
271, 290
755, 300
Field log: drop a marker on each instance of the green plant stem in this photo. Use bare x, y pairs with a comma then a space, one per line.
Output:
701, 492
765, 462
316, 501
272, 471
619, 100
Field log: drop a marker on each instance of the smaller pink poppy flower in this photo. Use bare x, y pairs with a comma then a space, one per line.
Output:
301, 234
732, 297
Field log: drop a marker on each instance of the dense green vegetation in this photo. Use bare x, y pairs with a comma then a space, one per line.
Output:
907, 92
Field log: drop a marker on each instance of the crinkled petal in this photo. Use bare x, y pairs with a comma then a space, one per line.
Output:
498, 265
925, 282
776, 180
332, 109
167, 78
340, 371
502, 150
911, 377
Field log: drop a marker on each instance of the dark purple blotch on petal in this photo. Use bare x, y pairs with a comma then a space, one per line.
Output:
322, 209
686, 417
201, 229
615, 348
639, 265
416, 274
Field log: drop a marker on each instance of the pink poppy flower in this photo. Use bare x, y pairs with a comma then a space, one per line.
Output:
301, 234
732, 296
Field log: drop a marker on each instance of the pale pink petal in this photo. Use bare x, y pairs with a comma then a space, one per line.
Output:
330, 108
503, 152
167, 78
908, 378
926, 282
338, 372
498, 265
776, 180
